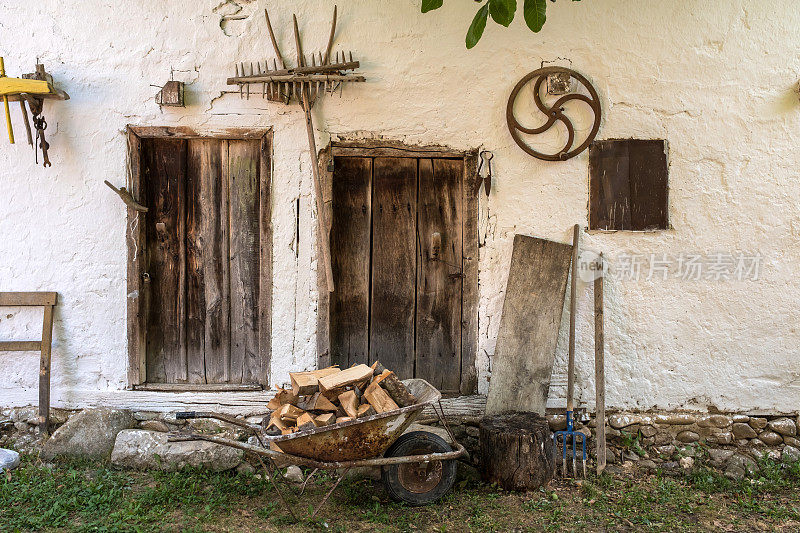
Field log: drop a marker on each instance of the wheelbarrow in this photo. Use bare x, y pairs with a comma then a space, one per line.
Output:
417, 467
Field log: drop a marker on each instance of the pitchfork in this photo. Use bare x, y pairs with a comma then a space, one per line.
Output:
576, 437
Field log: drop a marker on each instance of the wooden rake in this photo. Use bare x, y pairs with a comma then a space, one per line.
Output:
312, 77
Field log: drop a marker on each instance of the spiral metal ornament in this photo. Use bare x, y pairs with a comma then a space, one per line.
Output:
553, 113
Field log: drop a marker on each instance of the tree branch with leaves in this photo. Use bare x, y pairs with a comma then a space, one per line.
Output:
502, 12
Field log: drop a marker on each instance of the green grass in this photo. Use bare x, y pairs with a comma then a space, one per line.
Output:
93, 498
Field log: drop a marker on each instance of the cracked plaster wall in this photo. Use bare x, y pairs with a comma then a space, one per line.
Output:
716, 80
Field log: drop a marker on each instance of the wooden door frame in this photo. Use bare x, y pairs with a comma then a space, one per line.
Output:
470, 205
136, 245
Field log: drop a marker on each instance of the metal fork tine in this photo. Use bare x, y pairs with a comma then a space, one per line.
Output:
584, 456
574, 453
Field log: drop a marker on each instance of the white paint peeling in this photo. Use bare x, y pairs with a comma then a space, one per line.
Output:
718, 83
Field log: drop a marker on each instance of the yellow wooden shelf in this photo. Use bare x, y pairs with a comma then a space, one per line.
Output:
13, 86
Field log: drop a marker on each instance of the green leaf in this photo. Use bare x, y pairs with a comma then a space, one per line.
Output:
430, 5
478, 25
502, 11
534, 11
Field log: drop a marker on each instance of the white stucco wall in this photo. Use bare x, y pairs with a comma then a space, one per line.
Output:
717, 79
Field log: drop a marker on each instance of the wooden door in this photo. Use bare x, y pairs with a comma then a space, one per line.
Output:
397, 250
204, 261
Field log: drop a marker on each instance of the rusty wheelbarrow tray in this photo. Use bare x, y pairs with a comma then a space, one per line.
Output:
355, 443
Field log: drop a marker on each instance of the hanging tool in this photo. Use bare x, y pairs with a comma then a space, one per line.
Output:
570, 439
127, 197
40, 124
486, 157
32, 88
5, 103
305, 83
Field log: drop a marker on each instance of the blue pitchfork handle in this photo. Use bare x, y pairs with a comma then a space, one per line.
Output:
570, 432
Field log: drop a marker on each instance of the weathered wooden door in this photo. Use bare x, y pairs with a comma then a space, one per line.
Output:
205, 236
397, 251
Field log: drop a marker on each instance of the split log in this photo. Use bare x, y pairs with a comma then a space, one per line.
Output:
325, 419
318, 402
344, 419
305, 421
383, 375
379, 398
276, 422
289, 413
516, 451
349, 402
398, 392
365, 410
305, 383
343, 378
282, 397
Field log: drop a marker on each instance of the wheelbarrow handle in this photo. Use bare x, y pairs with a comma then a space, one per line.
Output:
459, 451
188, 415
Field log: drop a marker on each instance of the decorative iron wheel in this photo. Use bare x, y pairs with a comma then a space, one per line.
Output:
554, 113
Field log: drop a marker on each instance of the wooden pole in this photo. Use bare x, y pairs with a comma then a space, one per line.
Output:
322, 219
573, 297
599, 370
304, 94
26, 121
330, 39
274, 41
5, 103
44, 372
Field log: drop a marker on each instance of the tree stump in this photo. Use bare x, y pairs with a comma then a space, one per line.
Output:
516, 451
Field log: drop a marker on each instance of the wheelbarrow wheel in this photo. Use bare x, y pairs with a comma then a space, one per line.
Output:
418, 483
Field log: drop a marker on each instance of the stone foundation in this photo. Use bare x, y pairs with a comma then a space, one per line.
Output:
667, 440
674, 440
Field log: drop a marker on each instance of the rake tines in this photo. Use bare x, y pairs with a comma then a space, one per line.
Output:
565, 443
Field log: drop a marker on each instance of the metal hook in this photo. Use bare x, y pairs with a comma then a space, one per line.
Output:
486, 156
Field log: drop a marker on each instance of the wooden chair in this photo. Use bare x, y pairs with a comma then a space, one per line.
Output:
47, 300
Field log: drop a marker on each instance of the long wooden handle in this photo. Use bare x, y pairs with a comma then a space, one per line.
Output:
274, 41
26, 121
573, 296
322, 217
330, 39
5, 103
599, 370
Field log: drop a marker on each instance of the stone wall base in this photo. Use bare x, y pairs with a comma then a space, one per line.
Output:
674, 440
667, 440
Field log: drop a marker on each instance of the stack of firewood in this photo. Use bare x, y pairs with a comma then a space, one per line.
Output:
331, 395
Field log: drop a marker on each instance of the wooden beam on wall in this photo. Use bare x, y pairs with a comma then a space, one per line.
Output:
184, 132
469, 309
26, 299
136, 295
265, 259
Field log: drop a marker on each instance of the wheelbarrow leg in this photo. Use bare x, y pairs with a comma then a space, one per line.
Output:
275, 484
308, 478
328, 495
